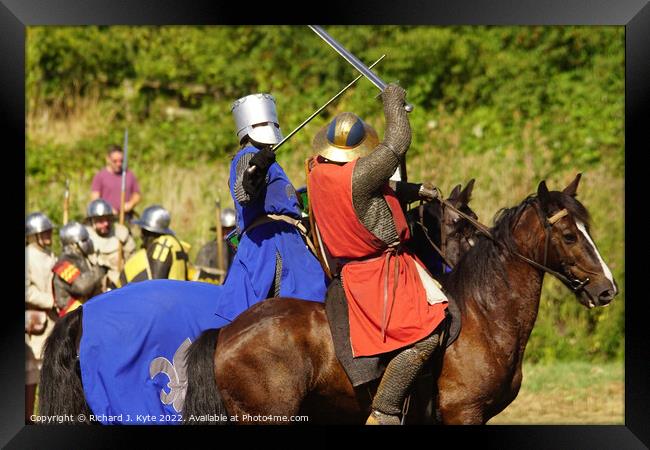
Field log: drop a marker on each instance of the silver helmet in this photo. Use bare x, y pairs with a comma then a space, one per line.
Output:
99, 208
156, 219
37, 222
228, 217
75, 233
256, 109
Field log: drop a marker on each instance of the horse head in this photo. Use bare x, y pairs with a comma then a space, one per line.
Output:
433, 222
458, 233
569, 249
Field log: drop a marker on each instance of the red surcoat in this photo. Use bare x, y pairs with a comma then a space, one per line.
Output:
387, 302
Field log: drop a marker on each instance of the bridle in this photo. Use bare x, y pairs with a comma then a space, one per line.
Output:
574, 283
568, 279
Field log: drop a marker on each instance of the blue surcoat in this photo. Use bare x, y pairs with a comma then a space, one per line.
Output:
253, 270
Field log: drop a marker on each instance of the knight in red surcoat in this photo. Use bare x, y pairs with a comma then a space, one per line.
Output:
394, 304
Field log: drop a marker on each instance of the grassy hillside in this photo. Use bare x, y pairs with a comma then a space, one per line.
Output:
509, 106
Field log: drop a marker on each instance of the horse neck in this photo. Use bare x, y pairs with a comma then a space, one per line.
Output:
514, 315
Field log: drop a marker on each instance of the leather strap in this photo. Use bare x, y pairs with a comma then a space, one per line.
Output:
290, 220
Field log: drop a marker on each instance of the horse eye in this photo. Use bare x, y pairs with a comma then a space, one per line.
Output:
456, 220
569, 238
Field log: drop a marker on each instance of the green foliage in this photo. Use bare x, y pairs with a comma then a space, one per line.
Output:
495, 78
533, 102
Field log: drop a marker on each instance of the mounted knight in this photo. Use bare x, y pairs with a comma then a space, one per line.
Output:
394, 304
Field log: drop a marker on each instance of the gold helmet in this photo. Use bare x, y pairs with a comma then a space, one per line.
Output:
345, 139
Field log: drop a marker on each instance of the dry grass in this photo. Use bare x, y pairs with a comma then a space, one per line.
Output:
189, 195
595, 406
568, 393
501, 181
85, 120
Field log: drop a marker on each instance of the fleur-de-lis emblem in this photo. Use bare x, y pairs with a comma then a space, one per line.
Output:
176, 373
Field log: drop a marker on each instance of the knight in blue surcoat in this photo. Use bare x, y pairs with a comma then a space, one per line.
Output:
272, 258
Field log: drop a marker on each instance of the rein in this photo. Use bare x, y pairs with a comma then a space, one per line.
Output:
575, 284
442, 252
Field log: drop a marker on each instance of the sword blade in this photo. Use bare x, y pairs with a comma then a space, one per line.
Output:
353, 60
349, 57
299, 127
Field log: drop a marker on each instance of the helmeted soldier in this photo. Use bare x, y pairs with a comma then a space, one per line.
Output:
272, 258
206, 259
107, 235
393, 303
162, 254
40, 315
77, 277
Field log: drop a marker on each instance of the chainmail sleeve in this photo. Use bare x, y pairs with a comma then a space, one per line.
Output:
372, 172
240, 194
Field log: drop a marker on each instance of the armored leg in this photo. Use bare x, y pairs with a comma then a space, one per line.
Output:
398, 377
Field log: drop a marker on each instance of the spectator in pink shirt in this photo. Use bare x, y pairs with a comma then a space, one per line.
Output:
107, 183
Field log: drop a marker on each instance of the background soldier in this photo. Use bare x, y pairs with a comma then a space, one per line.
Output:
106, 235
39, 300
162, 254
394, 305
207, 256
77, 276
107, 183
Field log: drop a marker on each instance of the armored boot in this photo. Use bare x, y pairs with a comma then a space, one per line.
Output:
398, 377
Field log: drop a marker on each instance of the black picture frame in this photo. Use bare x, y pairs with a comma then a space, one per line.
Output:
16, 15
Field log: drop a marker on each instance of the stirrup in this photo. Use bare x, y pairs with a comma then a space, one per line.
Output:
380, 418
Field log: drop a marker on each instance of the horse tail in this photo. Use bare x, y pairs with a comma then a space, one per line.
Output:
60, 390
203, 403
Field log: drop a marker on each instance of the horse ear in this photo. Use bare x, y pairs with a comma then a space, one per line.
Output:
543, 194
572, 189
455, 192
466, 194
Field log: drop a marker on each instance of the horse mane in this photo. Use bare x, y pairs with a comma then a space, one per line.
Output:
474, 275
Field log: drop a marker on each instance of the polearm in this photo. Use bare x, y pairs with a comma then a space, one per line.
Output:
354, 61
66, 201
252, 169
120, 253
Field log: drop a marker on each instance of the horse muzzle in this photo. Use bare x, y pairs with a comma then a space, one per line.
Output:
600, 294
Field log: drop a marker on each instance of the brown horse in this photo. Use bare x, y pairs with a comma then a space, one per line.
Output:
277, 360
